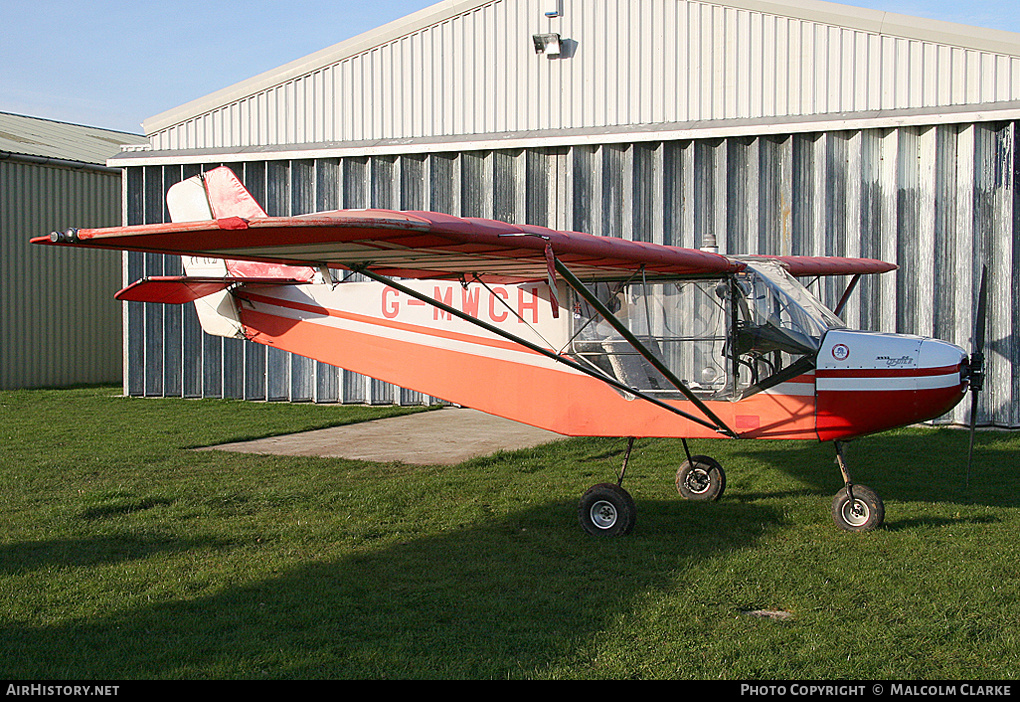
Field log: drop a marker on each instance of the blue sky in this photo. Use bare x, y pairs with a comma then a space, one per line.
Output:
113, 64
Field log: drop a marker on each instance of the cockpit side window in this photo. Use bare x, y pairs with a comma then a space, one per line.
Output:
722, 337
686, 324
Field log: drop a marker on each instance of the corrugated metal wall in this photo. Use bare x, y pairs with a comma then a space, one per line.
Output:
631, 62
937, 200
59, 323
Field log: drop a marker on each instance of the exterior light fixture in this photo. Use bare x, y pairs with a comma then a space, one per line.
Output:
548, 44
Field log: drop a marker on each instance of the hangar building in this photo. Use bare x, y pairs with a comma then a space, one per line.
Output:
754, 126
58, 323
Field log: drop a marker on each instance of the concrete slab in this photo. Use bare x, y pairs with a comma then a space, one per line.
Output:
445, 436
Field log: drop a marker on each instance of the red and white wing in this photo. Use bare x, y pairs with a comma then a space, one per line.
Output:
234, 227
404, 244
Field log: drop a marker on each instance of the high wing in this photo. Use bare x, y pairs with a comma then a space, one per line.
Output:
403, 244
430, 245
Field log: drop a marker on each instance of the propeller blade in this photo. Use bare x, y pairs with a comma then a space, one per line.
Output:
973, 423
977, 362
979, 318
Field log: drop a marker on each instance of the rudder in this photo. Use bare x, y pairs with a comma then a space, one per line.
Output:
218, 194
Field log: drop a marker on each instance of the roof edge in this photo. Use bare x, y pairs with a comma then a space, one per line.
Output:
71, 164
888, 23
672, 131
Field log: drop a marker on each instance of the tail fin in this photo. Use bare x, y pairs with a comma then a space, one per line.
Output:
218, 194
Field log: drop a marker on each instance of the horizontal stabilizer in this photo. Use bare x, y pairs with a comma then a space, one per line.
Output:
180, 289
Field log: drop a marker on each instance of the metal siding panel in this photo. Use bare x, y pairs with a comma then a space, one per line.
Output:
944, 209
994, 217
173, 315
870, 223
924, 315
647, 193
1012, 345
232, 381
703, 201
586, 177
561, 205
476, 184
384, 176
58, 322
802, 207
134, 312
505, 204
153, 265
618, 181
852, 217
302, 201
277, 203
328, 379
255, 358
212, 366
906, 225
444, 171
413, 182
536, 209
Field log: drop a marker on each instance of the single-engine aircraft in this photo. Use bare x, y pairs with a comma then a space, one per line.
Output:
578, 334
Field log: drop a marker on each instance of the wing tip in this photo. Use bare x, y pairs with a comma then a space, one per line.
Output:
68, 236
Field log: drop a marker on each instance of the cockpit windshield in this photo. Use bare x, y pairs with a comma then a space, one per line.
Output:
780, 311
721, 337
781, 299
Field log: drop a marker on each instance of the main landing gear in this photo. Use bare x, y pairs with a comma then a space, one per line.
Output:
607, 509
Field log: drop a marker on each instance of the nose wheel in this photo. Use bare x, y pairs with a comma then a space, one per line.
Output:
855, 507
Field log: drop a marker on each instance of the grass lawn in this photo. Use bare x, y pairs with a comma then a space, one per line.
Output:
125, 555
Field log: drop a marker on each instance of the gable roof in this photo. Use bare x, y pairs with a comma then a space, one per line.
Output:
48, 139
466, 67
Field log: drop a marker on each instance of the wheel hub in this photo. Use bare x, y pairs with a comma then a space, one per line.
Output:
856, 513
603, 514
698, 481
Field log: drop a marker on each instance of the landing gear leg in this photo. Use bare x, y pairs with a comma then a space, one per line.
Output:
607, 509
700, 478
855, 507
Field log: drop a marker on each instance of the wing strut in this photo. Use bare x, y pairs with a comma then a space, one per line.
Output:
846, 294
362, 269
592, 300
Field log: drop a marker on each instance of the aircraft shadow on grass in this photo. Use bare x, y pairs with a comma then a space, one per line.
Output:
508, 597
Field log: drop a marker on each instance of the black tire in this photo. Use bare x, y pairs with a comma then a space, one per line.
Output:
701, 479
866, 513
607, 510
